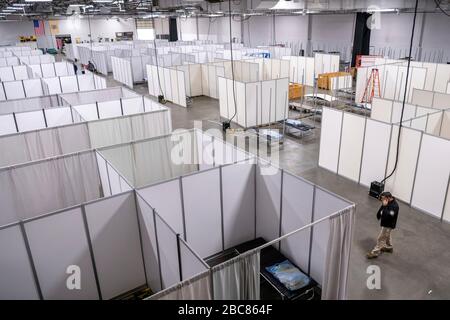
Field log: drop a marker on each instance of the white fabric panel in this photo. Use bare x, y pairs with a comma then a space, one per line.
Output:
87, 111
124, 185
58, 116
441, 100
297, 212
442, 77
445, 128
223, 97
168, 252
61, 68
422, 98
240, 101
168, 91
114, 231
14, 90
203, 214
268, 198
48, 70
7, 74
46, 58
33, 88
252, 99
69, 84
434, 123
109, 109
132, 105
7, 124
74, 138
433, 172
165, 198
282, 99
114, 180
190, 264
2, 94
104, 175
268, 94
174, 86
20, 72
352, 139
401, 182
376, 147
195, 79
16, 278
420, 123
86, 82
181, 89
149, 246
46, 186
381, 109
324, 205
330, 139
54, 86
238, 188
57, 242
33, 120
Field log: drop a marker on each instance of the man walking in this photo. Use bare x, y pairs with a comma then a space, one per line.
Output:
388, 214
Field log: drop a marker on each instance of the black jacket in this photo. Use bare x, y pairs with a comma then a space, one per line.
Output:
388, 214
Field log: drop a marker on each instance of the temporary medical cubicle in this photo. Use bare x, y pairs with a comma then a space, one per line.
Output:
251, 104
246, 200
56, 110
53, 205
150, 121
364, 150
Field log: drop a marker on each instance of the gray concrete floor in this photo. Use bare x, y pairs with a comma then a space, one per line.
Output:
419, 268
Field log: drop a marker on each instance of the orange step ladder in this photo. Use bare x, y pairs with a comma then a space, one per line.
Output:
372, 87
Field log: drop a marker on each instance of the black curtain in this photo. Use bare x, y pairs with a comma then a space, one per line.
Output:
361, 42
173, 33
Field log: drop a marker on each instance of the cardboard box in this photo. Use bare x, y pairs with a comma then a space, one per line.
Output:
296, 91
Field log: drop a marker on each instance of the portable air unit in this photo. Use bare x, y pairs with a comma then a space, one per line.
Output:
376, 188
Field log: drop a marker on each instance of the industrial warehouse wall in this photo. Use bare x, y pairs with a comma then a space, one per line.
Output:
78, 28
215, 29
11, 30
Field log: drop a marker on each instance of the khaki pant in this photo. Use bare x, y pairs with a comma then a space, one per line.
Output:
383, 241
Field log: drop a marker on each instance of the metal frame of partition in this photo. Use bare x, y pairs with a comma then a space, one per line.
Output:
422, 133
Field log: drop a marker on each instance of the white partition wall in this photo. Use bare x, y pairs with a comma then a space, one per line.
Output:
207, 211
422, 167
401, 182
376, 149
257, 103
113, 227
330, 139
432, 171
297, 205
16, 278
71, 250
325, 63
168, 82
352, 138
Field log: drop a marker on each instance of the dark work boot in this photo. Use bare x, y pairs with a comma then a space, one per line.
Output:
387, 249
371, 255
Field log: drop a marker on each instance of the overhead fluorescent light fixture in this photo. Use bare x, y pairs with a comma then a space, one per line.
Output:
287, 5
253, 14
14, 8
38, 0
102, 1
22, 4
370, 10
213, 15
8, 10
